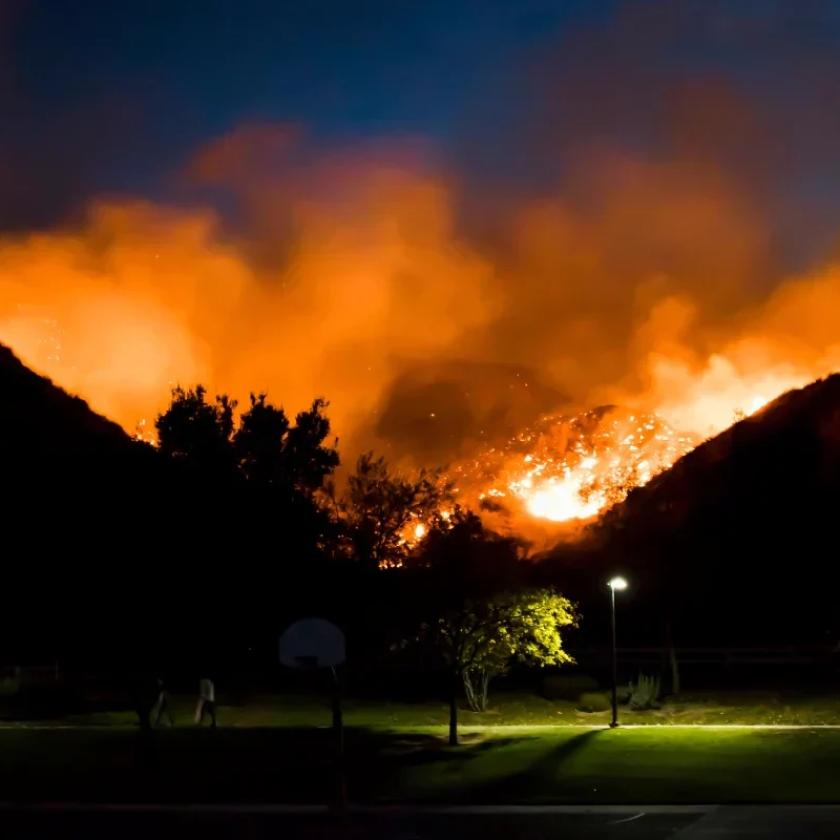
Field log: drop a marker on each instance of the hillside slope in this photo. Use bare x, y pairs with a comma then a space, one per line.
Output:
738, 541
84, 514
42, 427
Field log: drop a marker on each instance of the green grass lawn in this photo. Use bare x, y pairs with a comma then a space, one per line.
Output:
617, 766
597, 766
525, 749
507, 709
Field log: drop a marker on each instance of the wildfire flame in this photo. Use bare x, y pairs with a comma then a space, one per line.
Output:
572, 468
355, 279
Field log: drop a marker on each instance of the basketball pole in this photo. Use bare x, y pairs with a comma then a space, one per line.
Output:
338, 731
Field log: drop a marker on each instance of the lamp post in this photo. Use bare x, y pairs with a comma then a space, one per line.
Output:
620, 584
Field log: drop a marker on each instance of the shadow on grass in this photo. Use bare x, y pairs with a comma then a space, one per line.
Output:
427, 749
188, 764
524, 784
268, 765
424, 768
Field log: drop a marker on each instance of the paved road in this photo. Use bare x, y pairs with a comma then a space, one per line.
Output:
516, 823
809, 822
126, 825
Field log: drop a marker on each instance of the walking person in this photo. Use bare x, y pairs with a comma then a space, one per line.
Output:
162, 705
206, 702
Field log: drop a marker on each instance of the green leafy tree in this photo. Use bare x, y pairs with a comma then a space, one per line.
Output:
483, 640
462, 570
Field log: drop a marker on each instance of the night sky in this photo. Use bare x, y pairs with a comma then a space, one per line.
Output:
104, 97
111, 96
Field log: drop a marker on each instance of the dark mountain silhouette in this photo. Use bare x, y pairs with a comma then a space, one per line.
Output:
45, 432
114, 553
75, 489
109, 548
738, 540
786, 456
111, 553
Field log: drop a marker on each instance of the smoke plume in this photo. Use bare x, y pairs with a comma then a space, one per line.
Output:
662, 245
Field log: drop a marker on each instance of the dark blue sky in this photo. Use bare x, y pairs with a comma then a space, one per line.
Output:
339, 66
103, 96
107, 94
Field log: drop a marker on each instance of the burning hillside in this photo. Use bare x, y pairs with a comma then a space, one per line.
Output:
744, 519
654, 245
567, 468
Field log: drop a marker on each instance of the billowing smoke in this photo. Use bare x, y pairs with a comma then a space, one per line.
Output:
662, 244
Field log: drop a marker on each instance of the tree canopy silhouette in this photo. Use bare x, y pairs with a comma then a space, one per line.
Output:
264, 448
250, 487
271, 452
380, 506
198, 433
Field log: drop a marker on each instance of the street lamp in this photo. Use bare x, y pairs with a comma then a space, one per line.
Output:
615, 584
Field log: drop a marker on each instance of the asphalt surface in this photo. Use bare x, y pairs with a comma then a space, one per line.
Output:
808, 822
482, 823
127, 825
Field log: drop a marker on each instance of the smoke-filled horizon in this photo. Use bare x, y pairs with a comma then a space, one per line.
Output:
645, 216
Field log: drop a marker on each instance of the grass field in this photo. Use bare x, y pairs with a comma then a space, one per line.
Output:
660, 765
509, 709
526, 750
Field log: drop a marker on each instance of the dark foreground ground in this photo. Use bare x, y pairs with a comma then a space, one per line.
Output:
720, 823
93, 825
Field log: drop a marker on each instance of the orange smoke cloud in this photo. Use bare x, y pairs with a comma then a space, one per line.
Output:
349, 275
701, 379
142, 297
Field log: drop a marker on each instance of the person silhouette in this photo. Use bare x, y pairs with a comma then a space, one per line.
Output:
162, 705
206, 702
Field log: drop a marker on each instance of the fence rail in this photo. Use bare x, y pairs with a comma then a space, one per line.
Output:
725, 657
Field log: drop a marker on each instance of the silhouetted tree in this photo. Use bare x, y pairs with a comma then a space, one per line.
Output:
270, 452
306, 460
198, 433
252, 488
381, 508
259, 441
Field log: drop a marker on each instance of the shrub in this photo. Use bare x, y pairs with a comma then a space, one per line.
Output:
567, 686
593, 701
10, 685
645, 693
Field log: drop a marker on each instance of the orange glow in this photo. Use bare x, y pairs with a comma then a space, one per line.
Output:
353, 268
570, 468
562, 499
